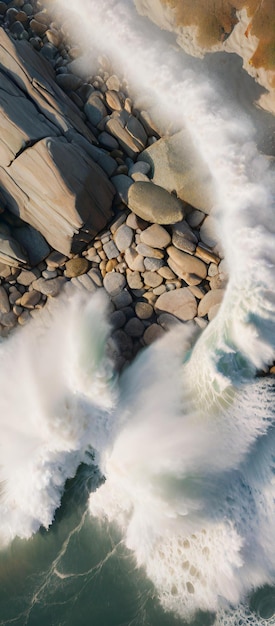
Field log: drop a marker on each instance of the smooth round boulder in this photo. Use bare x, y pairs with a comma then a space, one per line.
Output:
154, 204
181, 303
76, 267
114, 283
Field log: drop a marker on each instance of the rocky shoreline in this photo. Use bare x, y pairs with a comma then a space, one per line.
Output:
157, 257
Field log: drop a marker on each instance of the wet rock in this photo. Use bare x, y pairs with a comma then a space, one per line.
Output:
206, 255
113, 83
8, 319
113, 100
122, 299
68, 82
117, 319
168, 321
208, 232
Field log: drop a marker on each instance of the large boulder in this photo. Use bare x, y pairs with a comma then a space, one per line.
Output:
154, 204
47, 177
177, 166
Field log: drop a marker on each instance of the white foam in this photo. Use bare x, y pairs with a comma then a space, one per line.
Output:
55, 400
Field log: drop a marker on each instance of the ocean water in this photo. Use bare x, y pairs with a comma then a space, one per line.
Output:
149, 499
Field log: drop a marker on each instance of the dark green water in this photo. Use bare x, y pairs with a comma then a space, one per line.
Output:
78, 573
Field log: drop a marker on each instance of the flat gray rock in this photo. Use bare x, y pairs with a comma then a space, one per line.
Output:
154, 204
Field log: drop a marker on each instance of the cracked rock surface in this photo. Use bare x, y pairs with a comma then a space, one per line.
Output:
46, 177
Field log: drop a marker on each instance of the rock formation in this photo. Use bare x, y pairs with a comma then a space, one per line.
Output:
47, 176
245, 27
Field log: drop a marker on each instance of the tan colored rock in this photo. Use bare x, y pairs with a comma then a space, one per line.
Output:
154, 204
178, 166
211, 299
30, 299
181, 303
4, 301
45, 175
152, 333
189, 279
113, 100
76, 267
155, 236
152, 279
188, 263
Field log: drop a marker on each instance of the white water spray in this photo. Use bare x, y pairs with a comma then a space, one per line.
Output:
189, 457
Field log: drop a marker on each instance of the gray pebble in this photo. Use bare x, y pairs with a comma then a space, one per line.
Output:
152, 333
96, 277
118, 319
123, 237
134, 280
111, 250
122, 299
134, 327
144, 310
153, 265
114, 283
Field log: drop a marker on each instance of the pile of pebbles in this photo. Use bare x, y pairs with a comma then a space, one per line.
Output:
140, 266
156, 275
